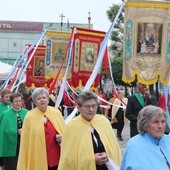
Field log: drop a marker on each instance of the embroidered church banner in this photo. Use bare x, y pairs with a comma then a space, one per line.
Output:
147, 42
35, 76
86, 47
56, 45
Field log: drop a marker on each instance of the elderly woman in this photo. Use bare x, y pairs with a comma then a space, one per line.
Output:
88, 140
149, 150
41, 135
10, 131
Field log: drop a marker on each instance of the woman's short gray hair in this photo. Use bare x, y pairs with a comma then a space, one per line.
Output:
87, 95
145, 116
38, 91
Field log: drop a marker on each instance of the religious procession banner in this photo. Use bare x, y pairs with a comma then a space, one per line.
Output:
35, 76
56, 52
147, 42
85, 51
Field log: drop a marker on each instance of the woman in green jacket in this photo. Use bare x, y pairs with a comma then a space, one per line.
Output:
11, 125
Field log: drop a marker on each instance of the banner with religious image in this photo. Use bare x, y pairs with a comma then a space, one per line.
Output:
86, 47
147, 42
35, 76
56, 47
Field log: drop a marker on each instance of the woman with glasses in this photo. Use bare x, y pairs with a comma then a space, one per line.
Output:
88, 141
149, 150
10, 131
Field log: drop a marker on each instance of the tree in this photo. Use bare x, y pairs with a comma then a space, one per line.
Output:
117, 33
116, 47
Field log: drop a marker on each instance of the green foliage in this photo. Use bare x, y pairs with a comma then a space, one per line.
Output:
117, 33
117, 65
111, 13
116, 46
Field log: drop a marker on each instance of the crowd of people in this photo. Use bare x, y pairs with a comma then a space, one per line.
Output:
39, 138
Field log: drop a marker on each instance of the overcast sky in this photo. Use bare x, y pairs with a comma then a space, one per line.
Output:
49, 11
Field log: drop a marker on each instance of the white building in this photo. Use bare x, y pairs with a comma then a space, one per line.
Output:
15, 35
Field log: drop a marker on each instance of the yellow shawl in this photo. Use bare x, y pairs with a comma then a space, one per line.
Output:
115, 109
77, 147
32, 154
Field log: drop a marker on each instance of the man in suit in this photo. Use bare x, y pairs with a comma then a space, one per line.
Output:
135, 103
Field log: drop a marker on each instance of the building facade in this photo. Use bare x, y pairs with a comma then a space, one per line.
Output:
15, 35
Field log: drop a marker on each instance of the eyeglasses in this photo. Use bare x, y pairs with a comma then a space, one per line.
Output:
17, 101
94, 106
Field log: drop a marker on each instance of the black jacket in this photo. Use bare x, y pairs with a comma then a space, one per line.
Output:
132, 110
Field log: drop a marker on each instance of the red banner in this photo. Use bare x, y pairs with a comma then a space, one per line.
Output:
86, 47
35, 76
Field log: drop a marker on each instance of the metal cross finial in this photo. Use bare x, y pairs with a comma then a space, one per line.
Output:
68, 25
89, 18
62, 16
89, 13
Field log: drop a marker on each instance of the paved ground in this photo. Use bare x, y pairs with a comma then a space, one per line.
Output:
125, 136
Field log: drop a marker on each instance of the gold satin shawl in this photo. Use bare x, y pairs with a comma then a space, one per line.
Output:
77, 147
115, 108
32, 154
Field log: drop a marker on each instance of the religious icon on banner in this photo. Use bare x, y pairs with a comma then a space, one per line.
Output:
89, 58
39, 66
149, 38
85, 52
56, 53
58, 50
35, 76
149, 24
88, 55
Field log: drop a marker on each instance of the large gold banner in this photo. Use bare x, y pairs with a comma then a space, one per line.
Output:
147, 42
56, 45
